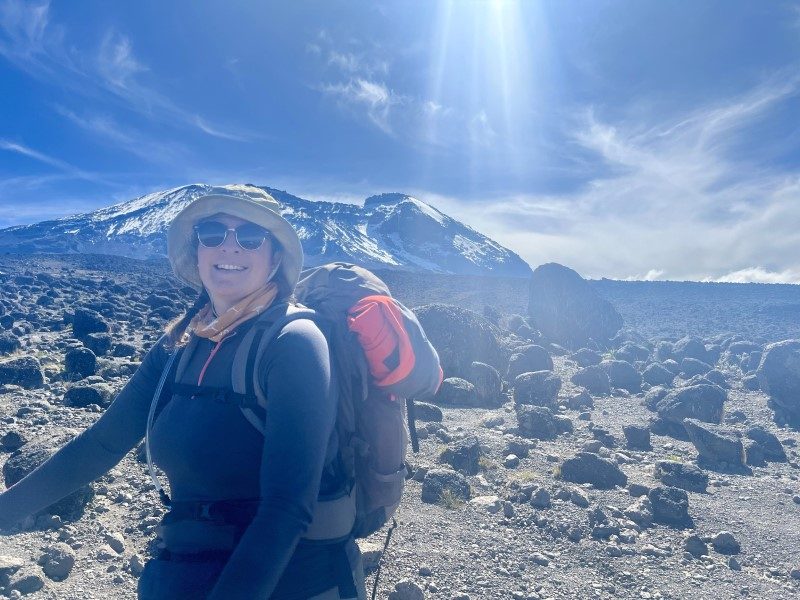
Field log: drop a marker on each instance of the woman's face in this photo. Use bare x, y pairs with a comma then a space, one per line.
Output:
229, 272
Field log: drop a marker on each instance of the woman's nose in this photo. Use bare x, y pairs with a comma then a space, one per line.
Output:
230, 242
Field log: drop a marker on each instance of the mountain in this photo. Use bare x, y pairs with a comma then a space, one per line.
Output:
391, 231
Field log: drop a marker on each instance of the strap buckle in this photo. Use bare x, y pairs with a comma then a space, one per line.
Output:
204, 510
220, 396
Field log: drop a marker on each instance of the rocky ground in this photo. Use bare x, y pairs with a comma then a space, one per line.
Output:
526, 484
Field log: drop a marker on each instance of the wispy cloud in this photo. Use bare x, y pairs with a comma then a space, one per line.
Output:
51, 161
678, 199
759, 275
375, 97
34, 44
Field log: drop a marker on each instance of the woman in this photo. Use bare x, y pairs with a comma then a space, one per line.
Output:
241, 500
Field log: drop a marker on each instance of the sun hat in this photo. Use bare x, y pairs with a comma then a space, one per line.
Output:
246, 202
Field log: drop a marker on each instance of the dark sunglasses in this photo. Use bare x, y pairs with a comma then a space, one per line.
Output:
212, 234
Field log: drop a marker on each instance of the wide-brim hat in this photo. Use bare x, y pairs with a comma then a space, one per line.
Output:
246, 202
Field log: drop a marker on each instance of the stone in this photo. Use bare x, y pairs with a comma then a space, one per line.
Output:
681, 475
9, 565
580, 401
99, 343
86, 321
541, 498
586, 467
751, 383
12, 440
690, 347
406, 590
779, 377
768, 443
488, 383
461, 337
718, 378
536, 422
491, 504
80, 362
528, 359
463, 455
57, 561
586, 357
716, 446
632, 353
594, 378
539, 388
24, 371
9, 343
457, 392
444, 481
116, 541
702, 402
725, 543
657, 374
80, 396
654, 396
517, 446
26, 581
566, 309
670, 507
640, 512
423, 411
637, 437
511, 461
691, 367
603, 435
622, 375
695, 546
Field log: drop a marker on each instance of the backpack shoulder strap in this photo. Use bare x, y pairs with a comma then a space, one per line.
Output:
244, 378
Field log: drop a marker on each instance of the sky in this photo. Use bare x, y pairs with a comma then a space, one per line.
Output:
634, 139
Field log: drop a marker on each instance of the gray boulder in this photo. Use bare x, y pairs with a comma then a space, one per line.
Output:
24, 371
681, 475
586, 467
691, 367
702, 402
527, 359
779, 377
80, 362
594, 378
690, 347
423, 411
86, 321
768, 443
463, 455
716, 446
440, 481
457, 392
566, 309
487, 381
637, 437
670, 507
586, 357
536, 422
657, 374
622, 375
539, 389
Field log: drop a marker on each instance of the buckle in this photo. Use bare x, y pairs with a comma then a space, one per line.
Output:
205, 510
220, 396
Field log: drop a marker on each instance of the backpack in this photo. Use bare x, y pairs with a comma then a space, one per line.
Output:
380, 356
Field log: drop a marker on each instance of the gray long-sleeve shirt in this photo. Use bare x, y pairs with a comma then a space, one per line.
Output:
210, 452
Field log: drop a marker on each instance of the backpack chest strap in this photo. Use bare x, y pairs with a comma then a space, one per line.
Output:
215, 394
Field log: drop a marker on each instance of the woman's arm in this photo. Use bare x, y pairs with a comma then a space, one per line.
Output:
300, 419
92, 453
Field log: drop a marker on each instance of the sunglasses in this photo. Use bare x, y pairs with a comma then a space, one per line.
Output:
213, 234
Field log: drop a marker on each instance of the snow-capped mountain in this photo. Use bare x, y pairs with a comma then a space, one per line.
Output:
391, 231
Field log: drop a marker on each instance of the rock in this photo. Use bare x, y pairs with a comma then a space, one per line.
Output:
622, 375
578, 498
9, 343
463, 455
656, 374
680, 475
536, 422
116, 541
779, 376
702, 402
461, 337
541, 498
768, 443
99, 343
13, 440
594, 378
80, 362
26, 581
637, 489
585, 357
691, 367
517, 446
539, 388
528, 359
10, 565
690, 347
488, 383
603, 435
567, 310
444, 481
586, 467
563, 424
718, 378
24, 371
80, 396
716, 445
751, 383
424, 411
670, 507
580, 401
457, 392
57, 561
632, 353
654, 396
30, 456
511, 461
640, 512
492, 504
695, 546
86, 321
725, 543
637, 437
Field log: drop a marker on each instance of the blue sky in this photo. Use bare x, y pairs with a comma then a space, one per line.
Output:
640, 139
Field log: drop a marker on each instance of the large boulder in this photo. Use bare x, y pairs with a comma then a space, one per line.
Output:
702, 402
594, 378
86, 321
623, 375
488, 383
528, 359
461, 337
24, 371
458, 393
586, 467
656, 374
566, 309
717, 446
585, 357
536, 422
768, 444
33, 454
670, 507
539, 389
681, 475
463, 455
439, 484
779, 377
690, 347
